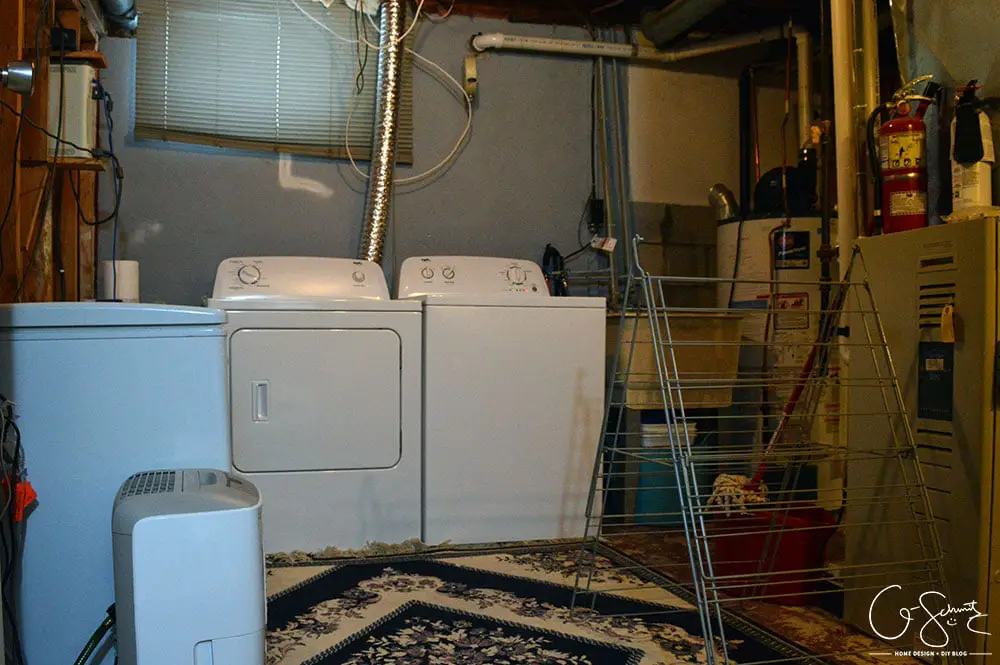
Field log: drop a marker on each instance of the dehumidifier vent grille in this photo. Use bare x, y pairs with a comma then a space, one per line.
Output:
149, 482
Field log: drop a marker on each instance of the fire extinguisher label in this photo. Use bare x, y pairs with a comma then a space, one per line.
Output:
901, 151
907, 203
971, 185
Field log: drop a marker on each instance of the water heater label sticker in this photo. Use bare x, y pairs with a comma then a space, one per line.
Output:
791, 250
793, 311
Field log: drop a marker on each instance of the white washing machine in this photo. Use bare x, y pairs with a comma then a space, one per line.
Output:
513, 400
324, 394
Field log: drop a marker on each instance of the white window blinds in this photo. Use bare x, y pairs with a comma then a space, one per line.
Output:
257, 74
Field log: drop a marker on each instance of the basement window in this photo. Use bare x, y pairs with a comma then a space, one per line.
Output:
260, 75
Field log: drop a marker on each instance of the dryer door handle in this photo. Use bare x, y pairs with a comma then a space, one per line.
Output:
259, 391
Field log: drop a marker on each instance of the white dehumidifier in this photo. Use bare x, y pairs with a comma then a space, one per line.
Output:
189, 569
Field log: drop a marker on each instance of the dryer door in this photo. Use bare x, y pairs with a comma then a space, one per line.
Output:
315, 400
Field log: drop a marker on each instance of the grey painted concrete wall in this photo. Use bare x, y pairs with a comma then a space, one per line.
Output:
521, 181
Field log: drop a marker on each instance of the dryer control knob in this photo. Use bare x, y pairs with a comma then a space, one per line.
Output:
448, 273
516, 275
249, 274
428, 273
358, 277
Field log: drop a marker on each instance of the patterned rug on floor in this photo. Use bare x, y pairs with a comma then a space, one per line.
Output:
508, 606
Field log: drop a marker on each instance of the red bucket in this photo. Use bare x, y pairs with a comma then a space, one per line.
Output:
795, 542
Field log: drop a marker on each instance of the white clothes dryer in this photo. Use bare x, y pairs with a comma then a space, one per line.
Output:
324, 395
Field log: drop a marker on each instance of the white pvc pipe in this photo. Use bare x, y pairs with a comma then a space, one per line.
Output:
842, 36
498, 40
869, 53
871, 93
803, 54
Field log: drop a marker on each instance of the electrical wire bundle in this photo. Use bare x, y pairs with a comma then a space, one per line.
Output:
11, 527
118, 172
97, 637
17, 142
431, 67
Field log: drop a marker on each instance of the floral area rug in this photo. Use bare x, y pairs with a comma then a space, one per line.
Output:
509, 606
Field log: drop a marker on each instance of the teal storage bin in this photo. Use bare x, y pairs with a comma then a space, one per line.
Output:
657, 500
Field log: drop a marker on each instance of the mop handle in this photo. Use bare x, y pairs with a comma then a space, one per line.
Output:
786, 415
793, 399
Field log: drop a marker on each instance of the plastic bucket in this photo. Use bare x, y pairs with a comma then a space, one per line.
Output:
657, 500
786, 550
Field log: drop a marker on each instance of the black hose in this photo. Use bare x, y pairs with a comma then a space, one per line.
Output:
873, 157
95, 639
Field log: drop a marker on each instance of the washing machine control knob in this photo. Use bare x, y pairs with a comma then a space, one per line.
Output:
249, 274
516, 275
428, 273
358, 277
448, 273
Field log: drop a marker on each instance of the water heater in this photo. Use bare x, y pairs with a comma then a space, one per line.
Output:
770, 268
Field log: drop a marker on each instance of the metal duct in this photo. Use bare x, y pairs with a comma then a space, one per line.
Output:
723, 201
121, 13
663, 26
390, 80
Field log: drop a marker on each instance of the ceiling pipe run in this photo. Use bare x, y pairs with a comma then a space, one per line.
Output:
665, 25
378, 203
869, 53
502, 41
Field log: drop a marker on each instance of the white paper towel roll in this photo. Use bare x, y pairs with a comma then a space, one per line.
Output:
127, 273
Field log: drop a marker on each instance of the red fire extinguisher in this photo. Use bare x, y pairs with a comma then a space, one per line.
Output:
902, 164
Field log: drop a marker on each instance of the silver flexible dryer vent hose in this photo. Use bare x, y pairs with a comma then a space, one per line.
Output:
390, 83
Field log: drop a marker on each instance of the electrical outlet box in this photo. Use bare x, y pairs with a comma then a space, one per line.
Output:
595, 217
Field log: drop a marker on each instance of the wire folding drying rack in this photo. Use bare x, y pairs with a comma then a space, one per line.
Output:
768, 393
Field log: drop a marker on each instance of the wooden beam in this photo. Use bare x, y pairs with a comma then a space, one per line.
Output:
69, 18
34, 144
87, 249
95, 59
67, 163
33, 194
39, 284
11, 45
93, 27
69, 233
35, 259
